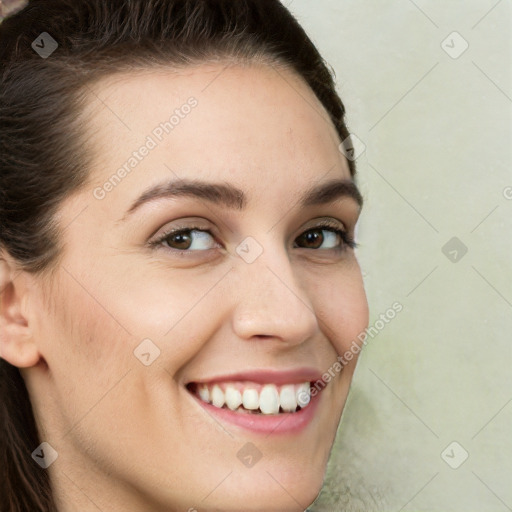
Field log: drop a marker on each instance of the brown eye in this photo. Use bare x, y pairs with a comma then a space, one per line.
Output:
333, 237
184, 240
312, 239
180, 240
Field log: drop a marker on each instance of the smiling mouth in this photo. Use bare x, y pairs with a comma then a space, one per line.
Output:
252, 397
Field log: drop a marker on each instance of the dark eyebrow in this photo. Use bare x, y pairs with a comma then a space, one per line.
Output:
234, 198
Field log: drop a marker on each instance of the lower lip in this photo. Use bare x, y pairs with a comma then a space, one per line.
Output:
269, 424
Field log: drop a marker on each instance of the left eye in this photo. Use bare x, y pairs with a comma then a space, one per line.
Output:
183, 239
329, 235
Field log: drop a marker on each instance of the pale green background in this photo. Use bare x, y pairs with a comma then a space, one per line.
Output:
438, 158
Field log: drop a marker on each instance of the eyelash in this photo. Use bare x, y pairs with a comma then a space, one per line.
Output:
347, 240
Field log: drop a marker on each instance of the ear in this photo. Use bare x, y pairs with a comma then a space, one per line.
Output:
17, 345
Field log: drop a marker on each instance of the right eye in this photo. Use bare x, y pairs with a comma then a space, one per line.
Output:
182, 239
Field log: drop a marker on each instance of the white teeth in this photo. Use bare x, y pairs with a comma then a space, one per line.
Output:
204, 393
287, 398
269, 399
233, 397
251, 399
303, 395
217, 396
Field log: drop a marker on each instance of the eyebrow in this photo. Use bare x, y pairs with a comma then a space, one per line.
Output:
230, 196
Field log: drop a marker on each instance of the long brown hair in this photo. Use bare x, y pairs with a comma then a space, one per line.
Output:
42, 155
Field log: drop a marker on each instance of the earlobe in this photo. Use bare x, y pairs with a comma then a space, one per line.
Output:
19, 354
17, 345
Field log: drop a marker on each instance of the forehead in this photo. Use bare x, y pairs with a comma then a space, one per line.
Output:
253, 125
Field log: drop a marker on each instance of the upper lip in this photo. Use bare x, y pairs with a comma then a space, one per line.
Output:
267, 376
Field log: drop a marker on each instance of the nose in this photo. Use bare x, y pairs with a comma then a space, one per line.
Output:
271, 302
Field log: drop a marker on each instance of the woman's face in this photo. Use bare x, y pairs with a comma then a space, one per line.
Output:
255, 295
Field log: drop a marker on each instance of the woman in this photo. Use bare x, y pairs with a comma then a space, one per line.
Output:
179, 289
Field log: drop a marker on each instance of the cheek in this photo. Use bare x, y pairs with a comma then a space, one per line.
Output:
175, 310
87, 353
86, 348
341, 306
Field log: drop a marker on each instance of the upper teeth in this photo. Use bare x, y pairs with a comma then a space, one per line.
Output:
267, 398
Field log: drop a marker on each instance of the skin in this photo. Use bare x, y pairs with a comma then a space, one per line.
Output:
129, 436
